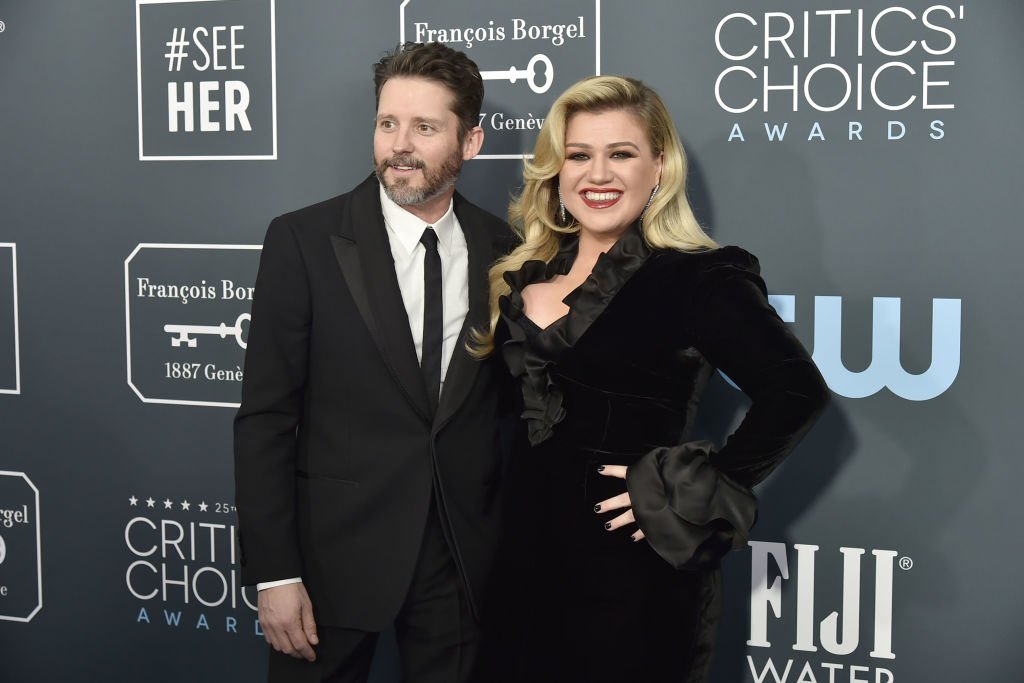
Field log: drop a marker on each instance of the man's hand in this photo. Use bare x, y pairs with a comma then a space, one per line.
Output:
286, 617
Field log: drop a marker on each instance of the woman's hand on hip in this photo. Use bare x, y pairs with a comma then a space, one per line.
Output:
618, 503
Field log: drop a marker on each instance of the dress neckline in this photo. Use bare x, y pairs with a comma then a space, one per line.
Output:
612, 270
537, 328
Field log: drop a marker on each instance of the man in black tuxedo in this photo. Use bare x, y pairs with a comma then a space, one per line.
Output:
365, 446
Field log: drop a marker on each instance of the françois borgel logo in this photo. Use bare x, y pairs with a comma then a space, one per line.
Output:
181, 565
21, 578
10, 373
187, 321
528, 52
874, 73
207, 83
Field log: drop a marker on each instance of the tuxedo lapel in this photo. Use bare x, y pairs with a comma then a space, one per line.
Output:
364, 255
463, 368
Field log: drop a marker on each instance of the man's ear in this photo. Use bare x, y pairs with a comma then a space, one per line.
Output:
472, 143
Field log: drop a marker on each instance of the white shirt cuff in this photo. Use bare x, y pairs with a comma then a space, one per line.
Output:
275, 584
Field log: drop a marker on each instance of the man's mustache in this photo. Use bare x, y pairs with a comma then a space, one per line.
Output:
404, 160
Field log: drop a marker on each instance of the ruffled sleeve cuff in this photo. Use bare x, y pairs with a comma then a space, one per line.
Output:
690, 513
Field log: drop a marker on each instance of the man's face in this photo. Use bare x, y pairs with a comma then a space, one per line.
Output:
416, 149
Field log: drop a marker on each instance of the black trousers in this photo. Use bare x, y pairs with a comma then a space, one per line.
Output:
438, 638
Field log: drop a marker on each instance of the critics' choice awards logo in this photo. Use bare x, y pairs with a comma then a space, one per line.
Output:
10, 362
182, 566
848, 644
528, 52
884, 73
21, 578
885, 369
206, 79
187, 321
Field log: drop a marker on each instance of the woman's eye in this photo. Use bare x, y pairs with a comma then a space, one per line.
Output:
622, 155
578, 156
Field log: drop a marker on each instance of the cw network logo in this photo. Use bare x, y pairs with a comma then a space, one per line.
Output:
885, 369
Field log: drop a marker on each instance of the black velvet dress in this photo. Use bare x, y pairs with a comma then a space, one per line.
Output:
617, 381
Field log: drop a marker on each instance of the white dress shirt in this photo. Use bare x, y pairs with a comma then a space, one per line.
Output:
404, 232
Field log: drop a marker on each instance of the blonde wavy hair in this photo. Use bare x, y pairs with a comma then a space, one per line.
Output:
668, 223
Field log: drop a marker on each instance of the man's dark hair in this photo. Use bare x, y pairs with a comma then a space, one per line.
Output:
443, 65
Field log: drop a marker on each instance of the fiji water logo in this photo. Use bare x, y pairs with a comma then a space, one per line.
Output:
838, 634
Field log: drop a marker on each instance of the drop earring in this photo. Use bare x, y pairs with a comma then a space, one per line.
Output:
561, 206
650, 199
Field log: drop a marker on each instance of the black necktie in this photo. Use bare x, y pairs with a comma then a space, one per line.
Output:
433, 317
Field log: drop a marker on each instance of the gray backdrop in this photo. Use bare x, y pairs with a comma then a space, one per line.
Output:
147, 145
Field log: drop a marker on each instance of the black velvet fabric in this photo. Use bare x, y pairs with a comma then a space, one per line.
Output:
617, 381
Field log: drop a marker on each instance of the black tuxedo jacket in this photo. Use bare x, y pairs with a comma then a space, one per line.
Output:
336, 450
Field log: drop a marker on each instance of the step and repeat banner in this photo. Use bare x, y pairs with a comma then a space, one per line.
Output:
867, 152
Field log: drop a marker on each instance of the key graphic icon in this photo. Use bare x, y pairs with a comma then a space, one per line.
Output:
529, 74
185, 334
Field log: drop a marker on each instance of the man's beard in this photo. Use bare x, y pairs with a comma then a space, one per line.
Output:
435, 181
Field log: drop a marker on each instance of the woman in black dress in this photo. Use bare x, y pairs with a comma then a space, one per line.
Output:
611, 315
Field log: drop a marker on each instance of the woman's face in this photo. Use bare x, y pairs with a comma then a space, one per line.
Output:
608, 172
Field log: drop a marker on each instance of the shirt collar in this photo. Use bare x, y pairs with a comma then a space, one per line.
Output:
407, 228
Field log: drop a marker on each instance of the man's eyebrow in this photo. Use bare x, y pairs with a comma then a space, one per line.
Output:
437, 123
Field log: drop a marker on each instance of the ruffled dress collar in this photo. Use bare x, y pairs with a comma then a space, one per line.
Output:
542, 398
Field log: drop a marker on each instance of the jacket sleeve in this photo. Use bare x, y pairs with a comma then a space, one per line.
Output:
265, 427
692, 501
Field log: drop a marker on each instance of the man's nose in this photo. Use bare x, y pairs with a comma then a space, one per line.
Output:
402, 140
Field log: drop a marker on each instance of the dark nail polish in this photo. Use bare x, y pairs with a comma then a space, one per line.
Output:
607, 525
600, 468
635, 539
597, 508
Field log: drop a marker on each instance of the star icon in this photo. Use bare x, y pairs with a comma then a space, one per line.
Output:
150, 502
185, 505
133, 501
168, 504
203, 506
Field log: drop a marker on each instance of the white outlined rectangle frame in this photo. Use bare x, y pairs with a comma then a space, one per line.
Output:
17, 343
128, 313
597, 63
273, 89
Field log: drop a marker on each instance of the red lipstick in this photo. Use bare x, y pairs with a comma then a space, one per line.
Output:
596, 198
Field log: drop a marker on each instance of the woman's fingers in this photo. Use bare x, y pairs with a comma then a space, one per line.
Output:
617, 471
614, 503
620, 521
617, 503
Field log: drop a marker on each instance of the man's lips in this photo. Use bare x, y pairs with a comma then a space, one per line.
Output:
600, 199
404, 165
